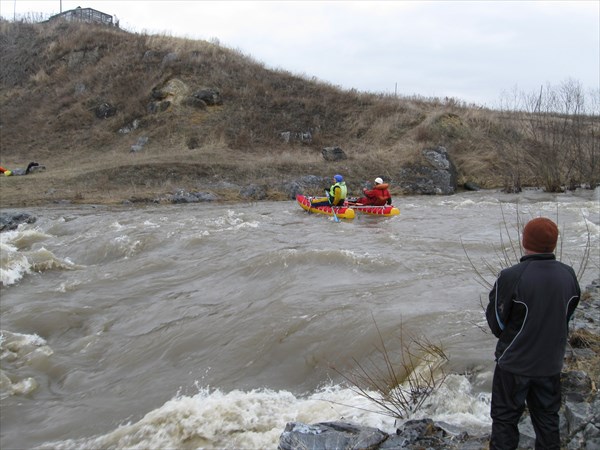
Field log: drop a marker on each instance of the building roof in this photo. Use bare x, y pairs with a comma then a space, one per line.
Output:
80, 14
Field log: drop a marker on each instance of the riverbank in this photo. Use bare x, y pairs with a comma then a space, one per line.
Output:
579, 415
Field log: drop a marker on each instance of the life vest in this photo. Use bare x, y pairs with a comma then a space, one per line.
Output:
378, 196
384, 194
338, 195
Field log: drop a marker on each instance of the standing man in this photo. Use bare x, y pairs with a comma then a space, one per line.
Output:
530, 306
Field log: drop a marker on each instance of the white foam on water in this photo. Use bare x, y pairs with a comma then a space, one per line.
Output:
18, 259
234, 420
13, 265
257, 418
16, 351
456, 403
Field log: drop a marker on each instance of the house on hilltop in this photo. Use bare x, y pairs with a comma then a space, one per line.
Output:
88, 15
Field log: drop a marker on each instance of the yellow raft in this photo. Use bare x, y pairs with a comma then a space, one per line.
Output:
342, 212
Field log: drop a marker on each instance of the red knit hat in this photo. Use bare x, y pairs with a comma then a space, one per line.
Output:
540, 235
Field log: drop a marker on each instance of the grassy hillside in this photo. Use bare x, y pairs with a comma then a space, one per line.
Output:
76, 98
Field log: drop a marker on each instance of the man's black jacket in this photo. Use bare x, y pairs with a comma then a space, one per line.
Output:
530, 306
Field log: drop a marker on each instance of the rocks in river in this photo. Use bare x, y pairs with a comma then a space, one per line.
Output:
10, 221
414, 434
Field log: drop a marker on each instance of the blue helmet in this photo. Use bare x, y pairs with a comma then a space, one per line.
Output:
338, 178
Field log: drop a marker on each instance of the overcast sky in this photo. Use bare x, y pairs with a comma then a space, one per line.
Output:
474, 51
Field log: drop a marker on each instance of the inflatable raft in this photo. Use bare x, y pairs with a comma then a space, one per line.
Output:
342, 212
386, 210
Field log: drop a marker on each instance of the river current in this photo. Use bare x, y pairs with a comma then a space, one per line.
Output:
212, 326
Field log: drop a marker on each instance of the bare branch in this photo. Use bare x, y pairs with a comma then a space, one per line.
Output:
399, 395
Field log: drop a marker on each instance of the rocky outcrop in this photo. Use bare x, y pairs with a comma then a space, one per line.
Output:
579, 414
176, 92
438, 176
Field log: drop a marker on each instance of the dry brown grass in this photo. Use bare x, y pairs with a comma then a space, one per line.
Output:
54, 76
584, 339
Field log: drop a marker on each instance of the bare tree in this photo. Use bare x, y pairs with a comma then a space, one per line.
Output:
399, 383
560, 136
510, 251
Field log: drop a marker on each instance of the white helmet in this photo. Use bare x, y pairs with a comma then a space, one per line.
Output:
378, 180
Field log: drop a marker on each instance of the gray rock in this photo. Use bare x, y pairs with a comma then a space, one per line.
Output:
304, 137
437, 177
105, 110
576, 385
254, 192
329, 435
11, 221
194, 102
151, 56
470, 186
169, 59
209, 96
139, 145
182, 196
333, 154
414, 434
130, 127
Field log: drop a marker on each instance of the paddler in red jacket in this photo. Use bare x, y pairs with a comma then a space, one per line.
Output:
378, 196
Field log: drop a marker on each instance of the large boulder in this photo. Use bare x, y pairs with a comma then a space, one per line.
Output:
172, 92
436, 176
330, 435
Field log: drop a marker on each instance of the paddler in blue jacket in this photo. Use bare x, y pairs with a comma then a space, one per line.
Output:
335, 196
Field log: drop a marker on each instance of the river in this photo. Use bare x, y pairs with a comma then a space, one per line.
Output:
212, 326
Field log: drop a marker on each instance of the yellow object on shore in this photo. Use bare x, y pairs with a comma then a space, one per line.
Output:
7, 173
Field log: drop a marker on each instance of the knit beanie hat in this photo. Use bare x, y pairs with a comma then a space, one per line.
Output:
540, 235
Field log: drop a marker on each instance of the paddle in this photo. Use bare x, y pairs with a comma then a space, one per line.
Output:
335, 217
